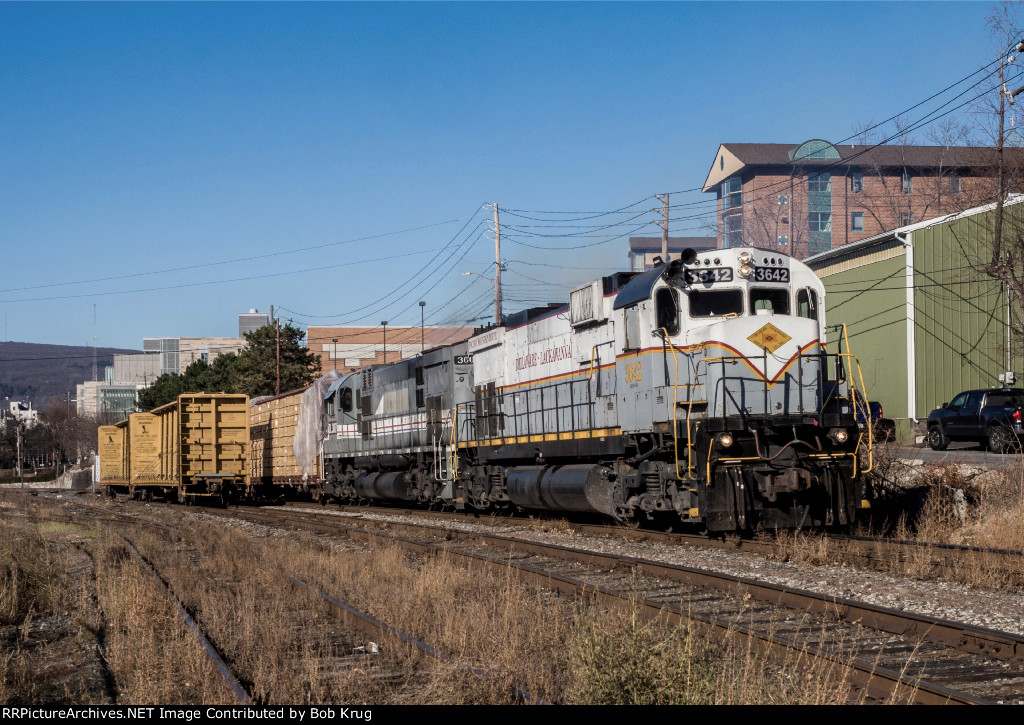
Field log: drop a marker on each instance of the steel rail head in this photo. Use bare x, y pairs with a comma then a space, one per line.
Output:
229, 677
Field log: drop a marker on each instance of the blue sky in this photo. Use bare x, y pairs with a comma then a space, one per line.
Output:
176, 164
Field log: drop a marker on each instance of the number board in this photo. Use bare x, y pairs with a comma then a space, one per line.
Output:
708, 275
463, 359
767, 274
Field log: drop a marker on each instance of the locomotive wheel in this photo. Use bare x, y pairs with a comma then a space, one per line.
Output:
937, 440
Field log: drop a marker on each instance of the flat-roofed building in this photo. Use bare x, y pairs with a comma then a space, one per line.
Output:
349, 348
643, 250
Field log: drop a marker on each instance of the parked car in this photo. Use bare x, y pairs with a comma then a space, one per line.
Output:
870, 410
994, 418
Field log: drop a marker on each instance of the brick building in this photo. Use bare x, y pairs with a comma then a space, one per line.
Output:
813, 197
347, 349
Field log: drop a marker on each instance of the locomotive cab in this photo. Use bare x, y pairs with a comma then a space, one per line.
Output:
725, 352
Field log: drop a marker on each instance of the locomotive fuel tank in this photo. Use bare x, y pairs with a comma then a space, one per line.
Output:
580, 488
393, 486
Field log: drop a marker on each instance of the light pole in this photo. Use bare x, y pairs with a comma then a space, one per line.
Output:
422, 345
384, 324
334, 352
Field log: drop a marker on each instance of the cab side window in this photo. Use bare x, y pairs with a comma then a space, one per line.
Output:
632, 327
346, 399
667, 309
807, 303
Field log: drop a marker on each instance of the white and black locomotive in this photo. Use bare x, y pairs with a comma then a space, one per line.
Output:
698, 392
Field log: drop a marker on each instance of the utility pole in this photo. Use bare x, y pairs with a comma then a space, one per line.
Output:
21, 473
664, 225
422, 339
497, 267
95, 371
277, 328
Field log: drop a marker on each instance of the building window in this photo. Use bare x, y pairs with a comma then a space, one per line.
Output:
956, 185
906, 218
732, 193
819, 222
857, 222
819, 181
907, 185
856, 182
732, 231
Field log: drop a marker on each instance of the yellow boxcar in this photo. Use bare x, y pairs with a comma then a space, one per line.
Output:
196, 446
145, 453
272, 423
210, 439
112, 446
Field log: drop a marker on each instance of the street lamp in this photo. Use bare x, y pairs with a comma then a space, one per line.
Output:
334, 352
422, 346
496, 279
384, 324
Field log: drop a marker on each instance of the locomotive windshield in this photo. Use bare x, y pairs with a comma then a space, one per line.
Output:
716, 302
763, 298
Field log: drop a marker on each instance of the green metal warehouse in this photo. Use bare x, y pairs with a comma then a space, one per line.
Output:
922, 316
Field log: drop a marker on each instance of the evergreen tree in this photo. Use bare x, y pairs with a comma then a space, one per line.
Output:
199, 377
255, 372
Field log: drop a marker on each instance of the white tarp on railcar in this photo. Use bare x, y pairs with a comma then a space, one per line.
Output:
309, 427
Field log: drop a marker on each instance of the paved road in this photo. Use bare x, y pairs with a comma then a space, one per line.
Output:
959, 452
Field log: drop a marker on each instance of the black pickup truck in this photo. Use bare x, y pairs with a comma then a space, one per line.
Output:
994, 418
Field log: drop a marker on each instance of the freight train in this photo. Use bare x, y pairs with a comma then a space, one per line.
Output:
194, 448
697, 393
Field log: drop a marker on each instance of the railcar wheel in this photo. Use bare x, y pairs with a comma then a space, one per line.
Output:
937, 440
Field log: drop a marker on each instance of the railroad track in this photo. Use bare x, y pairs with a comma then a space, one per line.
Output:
361, 634
931, 560
893, 655
896, 655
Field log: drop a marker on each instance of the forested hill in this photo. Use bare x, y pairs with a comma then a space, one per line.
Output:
36, 373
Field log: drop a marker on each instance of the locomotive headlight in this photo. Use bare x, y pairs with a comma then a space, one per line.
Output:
744, 257
839, 435
745, 271
724, 440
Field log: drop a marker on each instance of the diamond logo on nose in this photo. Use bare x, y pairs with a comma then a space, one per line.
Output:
769, 338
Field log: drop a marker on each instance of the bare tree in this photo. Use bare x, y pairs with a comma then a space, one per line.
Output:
68, 436
1006, 259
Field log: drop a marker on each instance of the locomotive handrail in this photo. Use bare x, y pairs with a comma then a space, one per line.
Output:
867, 406
675, 404
577, 410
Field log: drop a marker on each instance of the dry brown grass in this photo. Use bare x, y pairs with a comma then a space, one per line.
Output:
155, 659
290, 647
